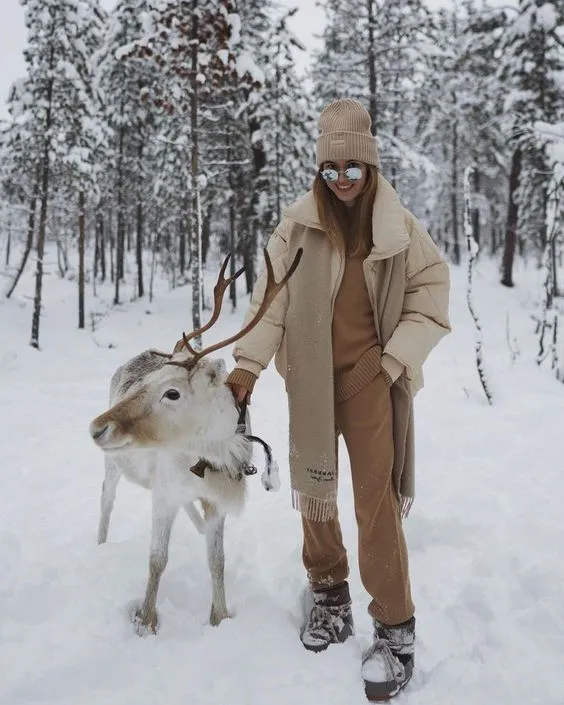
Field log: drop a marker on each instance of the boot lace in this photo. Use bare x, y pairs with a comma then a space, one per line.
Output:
394, 667
326, 619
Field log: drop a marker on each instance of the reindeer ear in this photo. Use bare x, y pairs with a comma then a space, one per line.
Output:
178, 347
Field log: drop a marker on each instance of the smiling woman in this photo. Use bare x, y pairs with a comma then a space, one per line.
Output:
350, 336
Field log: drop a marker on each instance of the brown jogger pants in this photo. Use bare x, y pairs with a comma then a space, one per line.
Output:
365, 420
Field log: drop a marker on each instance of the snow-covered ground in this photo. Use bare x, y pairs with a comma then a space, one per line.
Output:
485, 534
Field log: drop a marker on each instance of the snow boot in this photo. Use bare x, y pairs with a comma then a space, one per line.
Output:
330, 621
387, 666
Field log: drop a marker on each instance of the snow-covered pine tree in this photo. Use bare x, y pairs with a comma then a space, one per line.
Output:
369, 53
87, 141
280, 121
20, 185
459, 123
288, 124
128, 176
59, 110
192, 45
549, 321
532, 65
483, 109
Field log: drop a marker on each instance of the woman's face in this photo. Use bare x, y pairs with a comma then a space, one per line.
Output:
345, 178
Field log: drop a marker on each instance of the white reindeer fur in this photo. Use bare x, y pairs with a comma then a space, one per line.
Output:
153, 441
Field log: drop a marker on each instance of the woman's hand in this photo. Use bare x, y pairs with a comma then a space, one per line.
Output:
240, 393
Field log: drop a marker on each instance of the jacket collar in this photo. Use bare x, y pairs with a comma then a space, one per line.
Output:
390, 234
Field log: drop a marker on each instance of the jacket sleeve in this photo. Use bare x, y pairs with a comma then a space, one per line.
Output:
255, 350
424, 319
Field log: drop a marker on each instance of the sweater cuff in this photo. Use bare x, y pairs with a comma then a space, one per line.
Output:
392, 368
350, 383
242, 377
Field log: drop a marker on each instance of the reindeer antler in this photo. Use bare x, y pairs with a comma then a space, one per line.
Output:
271, 290
218, 293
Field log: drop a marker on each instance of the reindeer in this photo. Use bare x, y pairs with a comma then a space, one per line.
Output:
174, 427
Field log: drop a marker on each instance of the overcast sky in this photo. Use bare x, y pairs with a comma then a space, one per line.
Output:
307, 22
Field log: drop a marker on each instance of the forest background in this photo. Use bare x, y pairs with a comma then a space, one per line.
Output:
137, 135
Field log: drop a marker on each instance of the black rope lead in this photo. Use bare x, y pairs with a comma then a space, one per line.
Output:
270, 478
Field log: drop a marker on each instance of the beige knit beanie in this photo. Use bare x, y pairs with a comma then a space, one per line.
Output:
345, 134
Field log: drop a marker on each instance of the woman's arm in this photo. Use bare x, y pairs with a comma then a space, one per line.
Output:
424, 320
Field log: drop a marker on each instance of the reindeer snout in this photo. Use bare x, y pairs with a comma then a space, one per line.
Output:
103, 432
108, 435
97, 431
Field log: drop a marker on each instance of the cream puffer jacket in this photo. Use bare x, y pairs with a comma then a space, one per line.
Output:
424, 319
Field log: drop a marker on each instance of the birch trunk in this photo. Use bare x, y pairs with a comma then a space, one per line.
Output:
45, 175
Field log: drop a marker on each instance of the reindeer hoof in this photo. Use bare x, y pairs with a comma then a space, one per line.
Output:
217, 616
144, 623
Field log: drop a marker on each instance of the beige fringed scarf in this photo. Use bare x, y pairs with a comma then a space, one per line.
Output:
309, 374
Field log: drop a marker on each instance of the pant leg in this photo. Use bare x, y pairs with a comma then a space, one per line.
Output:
324, 555
365, 421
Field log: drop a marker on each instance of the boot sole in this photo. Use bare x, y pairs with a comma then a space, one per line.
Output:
316, 649
382, 692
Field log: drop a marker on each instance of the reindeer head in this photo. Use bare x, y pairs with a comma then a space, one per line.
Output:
185, 403
173, 407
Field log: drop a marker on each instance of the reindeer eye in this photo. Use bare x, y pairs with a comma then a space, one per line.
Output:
172, 394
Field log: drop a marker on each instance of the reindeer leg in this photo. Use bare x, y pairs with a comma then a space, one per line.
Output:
195, 516
164, 514
109, 486
214, 524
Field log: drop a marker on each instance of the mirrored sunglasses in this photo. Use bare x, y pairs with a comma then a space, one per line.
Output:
351, 173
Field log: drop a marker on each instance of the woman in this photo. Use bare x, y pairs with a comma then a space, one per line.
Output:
351, 331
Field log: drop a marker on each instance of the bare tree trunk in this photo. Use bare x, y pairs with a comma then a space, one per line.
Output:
372, 76
232, 247
512, 220
96, 263
99, 252
554, 265
45, 175
154, 248
206, 231
252, 227
473, 249
140, 224
183, 227
9, 241
195, 215
454, 196
30, 234
120, 224
62, 253
112, 256
548, 314
475, 208
103, 268
277, 150
81, 246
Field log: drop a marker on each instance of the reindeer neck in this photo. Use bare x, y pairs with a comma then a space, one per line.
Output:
236, 449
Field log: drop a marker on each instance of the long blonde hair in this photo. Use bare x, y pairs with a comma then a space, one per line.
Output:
351, 237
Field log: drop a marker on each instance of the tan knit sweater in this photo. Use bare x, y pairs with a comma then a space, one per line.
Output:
356, 353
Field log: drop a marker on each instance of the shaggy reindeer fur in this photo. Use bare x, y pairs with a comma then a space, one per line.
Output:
163, 419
